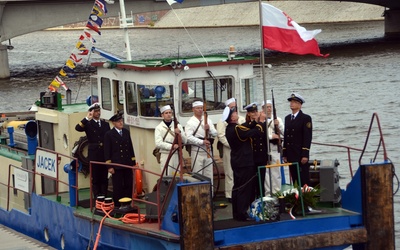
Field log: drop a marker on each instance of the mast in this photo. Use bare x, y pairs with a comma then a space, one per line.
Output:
263, 75
125, 27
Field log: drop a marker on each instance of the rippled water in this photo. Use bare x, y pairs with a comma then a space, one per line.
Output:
359, 78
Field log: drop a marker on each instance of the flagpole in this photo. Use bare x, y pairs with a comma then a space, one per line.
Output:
125, 27
262, 59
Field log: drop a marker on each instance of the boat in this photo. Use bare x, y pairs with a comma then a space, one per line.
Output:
45, 191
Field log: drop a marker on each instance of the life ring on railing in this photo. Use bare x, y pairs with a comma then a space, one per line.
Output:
80, 151
133, 218
138, 182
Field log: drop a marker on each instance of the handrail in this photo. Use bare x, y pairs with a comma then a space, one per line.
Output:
9, 182
341, 146
136, 167
381, 142
76, 187
34, 173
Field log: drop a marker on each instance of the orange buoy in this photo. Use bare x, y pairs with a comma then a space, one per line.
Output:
139, 184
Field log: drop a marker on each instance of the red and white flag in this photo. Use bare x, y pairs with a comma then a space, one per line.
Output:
283, 34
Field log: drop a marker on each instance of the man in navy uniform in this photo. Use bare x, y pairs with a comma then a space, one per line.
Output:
297, 139
118, 149
95, 128
260, 145
242, 162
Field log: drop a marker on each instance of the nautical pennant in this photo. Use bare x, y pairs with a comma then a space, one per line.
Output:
99, 8
102, 5
93, 27
96, 19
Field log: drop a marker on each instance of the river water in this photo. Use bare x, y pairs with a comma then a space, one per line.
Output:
342, 92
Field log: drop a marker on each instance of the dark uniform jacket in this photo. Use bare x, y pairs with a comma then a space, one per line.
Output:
239, 139
260, 145
297, 137
95, 137
119, 149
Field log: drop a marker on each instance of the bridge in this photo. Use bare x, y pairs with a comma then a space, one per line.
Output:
18, 17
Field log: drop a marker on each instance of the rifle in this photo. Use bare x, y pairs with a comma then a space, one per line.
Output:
178, 140
205, 123
276, 127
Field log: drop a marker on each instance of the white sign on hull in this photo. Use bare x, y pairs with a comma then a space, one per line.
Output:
46, 163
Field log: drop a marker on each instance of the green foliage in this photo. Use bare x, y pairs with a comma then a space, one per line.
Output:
292, 198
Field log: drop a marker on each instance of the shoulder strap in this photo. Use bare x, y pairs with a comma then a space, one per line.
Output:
166, 133
198, 126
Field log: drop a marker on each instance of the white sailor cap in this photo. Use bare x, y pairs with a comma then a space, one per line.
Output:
251, 107
94, 106
296, 97
164, 108
197, 104
268, 102
229, 101
226, 113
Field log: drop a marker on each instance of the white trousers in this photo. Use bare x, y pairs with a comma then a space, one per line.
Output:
273, 177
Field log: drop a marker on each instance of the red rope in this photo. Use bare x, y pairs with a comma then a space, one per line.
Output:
129, 218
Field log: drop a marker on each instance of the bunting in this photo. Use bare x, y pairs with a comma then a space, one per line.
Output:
80, 50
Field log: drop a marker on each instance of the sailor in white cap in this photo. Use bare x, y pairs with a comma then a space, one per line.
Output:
196, 128
296, 97
95, 129
276, 129
164, 136
297, 139
226, 149
230, 102
197, 104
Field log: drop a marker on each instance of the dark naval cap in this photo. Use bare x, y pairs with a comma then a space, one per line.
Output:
296, 97
94, 106
251, 107
116, 117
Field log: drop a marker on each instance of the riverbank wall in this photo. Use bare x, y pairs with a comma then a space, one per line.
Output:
246, 14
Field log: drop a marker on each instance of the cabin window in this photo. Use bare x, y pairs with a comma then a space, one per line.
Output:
215, 90
151, 98
106, 98
131, 99
94, 90
120, 92
249, 91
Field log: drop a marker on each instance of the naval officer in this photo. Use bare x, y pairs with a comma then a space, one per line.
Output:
95, 129
297, 139
242, 162
118, 149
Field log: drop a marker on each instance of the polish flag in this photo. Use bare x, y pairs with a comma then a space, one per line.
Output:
171, 2
283, 34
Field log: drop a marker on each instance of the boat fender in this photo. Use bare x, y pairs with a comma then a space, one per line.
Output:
138, 182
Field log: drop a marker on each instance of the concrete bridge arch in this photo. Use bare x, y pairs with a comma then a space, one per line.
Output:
19, 17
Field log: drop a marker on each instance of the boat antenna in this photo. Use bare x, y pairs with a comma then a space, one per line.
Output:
191, 38
125, 27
